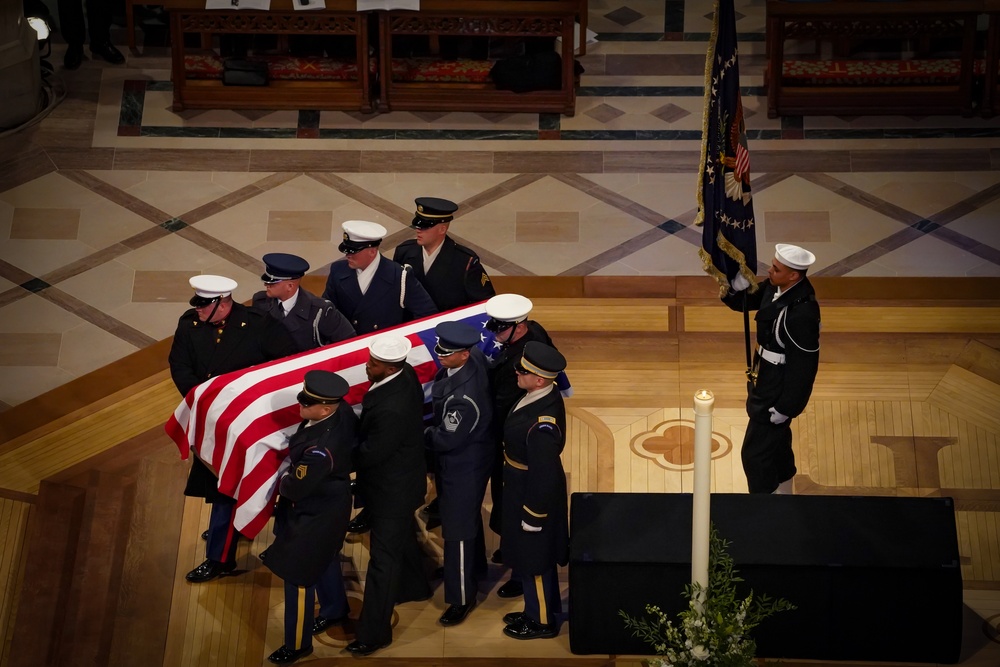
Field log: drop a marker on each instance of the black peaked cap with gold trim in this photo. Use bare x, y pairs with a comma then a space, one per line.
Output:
323, 387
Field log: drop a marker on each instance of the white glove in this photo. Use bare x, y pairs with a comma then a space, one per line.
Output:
777, 417
740, 283
530, 529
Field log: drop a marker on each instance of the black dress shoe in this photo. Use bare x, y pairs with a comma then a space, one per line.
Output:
286, 656
527, 628
73, 57
456, 613
359, 524
105, 49
513, 617
209, 570
497, 557
511, 589
204, 536
321, 623
361, 648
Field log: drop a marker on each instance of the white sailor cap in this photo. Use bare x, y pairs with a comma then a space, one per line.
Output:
390, 348
361, 234
793, 256
505, 310
208, 288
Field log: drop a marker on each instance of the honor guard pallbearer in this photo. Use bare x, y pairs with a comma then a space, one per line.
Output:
462, 442
373, 292
312, 322
451, 273
310, 520
535, 526
216, 336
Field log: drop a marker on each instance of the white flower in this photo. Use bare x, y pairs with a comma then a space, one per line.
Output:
699, 652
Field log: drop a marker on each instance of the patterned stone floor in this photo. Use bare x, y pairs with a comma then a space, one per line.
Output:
110, 202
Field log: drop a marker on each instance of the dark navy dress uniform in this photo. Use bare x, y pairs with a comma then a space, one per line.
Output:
535, 492
462, 440
786, 361
379, 307
503, 383
200, 352
391, 476
312, 322
455, 279
313, 510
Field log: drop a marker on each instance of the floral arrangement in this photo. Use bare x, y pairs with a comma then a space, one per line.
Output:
714, 630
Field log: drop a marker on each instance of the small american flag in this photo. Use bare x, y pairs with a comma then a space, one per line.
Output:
239, 423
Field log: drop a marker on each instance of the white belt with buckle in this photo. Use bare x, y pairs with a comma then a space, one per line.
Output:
776, 358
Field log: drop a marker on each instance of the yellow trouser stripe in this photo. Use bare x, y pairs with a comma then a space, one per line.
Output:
300, 607
543, 612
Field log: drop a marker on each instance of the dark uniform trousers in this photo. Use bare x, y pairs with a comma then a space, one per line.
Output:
456, 278
462, 439
379, 307
310, 522
788, 332
391, 475
200, 352
535, 494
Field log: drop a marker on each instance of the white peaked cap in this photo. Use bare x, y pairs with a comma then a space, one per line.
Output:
212, 287
363, 231
508, 307
390, 348
793, 256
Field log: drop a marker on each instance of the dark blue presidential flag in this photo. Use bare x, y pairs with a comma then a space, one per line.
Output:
725, 208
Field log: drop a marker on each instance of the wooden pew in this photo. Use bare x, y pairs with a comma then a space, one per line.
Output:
407, 85
924, 85
295, 83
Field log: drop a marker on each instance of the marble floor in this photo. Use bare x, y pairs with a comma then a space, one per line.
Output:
112, 200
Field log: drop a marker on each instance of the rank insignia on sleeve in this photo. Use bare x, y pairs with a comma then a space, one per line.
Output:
484, 279
451, 421
300, 472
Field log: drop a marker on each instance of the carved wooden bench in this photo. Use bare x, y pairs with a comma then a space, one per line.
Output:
937, 80
294, 82
434, 84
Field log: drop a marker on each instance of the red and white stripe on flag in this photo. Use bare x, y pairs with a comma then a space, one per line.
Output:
239, 423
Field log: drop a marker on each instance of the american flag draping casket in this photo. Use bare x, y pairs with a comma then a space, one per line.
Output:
239, 423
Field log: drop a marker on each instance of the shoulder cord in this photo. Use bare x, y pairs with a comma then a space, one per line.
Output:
781, 324
316, 335
402, 286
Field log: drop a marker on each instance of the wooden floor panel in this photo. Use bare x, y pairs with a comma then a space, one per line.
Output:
892, 414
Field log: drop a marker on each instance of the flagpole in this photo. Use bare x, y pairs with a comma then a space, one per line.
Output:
704, 402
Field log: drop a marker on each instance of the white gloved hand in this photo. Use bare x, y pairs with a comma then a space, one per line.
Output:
530, 529
777, 417
740, 283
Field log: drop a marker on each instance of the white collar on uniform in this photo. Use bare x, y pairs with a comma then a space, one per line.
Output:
365, 275
430, 257
533, 396
289, 303
385, 380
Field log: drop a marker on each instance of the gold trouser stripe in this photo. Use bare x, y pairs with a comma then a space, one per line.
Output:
534, 514
543, 612
300, 605
514, 464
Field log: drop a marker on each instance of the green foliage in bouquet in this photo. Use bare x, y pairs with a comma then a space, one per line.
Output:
712, 633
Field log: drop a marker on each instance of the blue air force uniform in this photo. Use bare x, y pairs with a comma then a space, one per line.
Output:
462, 441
